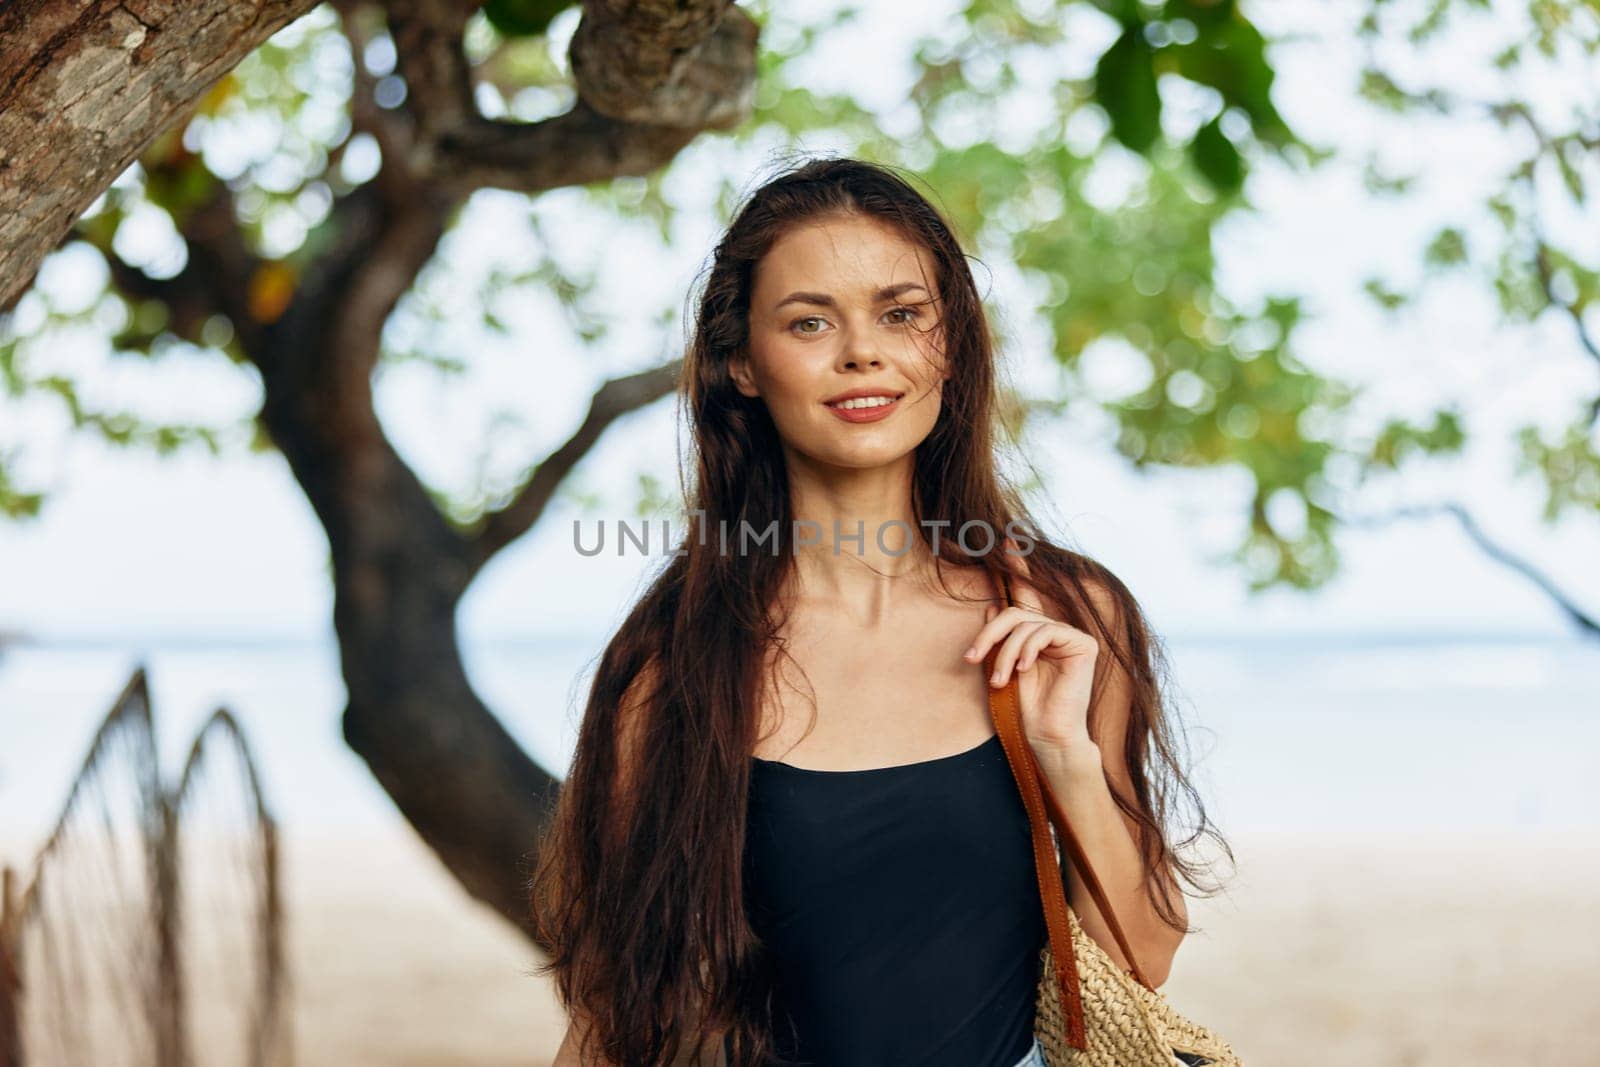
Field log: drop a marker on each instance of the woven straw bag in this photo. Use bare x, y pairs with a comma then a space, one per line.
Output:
1090, 1012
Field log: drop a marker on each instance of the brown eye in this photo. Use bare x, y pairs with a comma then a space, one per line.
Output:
808, 318
911, 312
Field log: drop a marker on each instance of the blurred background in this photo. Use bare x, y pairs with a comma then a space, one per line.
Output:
1297, 303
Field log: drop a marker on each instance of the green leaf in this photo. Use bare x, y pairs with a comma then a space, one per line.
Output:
1399, 440
1377, 181
1387, 298
1216, 157
1569, 168
1231, 57
1125, 86
1447, 249
522, 18
1503, 211
1569, 466
1431, 23
1380, 89
1201, 12
1508, 58
14, 502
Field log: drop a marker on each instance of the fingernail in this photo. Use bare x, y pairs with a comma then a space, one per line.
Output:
995, 678
969, 653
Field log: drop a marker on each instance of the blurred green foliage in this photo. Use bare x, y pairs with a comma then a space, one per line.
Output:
1520, 243
522, 18
1098, 145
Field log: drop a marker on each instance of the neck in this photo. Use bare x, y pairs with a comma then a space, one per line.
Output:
868, 552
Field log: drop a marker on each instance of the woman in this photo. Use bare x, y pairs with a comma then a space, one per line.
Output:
789, 829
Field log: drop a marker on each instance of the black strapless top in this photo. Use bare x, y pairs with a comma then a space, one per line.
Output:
900, 910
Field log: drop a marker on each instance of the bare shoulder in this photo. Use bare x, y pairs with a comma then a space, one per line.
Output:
1088, 596
968, 582
1106, 596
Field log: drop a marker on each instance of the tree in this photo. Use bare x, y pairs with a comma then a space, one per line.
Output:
1104, 187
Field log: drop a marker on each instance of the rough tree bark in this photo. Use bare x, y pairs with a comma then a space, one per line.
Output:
651, 76
86, 85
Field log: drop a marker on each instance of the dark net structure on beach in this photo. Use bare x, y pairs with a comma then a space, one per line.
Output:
149, 930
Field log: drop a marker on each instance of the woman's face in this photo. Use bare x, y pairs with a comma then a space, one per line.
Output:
841, 305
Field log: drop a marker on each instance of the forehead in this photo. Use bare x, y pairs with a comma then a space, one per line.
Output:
846, 256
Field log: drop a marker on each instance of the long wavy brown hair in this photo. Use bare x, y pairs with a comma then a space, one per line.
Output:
638, 890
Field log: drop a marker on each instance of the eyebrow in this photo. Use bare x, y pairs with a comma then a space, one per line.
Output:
888, 292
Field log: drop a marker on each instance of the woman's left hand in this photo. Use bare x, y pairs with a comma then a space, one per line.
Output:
1055, 666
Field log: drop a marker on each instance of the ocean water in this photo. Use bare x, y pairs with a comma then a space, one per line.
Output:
1284, 733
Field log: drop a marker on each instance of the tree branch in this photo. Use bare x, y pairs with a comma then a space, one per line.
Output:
390, 128
576, 148
650, 75
611, 401
1541, 260
688, 63
85, 86
384, 232
220, 257
1587, 623
330, 337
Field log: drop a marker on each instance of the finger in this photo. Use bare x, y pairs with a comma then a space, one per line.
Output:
974, 652
999, 623
1035, 645
1005, 659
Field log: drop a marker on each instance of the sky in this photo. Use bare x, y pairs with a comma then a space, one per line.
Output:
132, 545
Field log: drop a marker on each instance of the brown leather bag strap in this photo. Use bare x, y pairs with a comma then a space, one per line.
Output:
1005, 706
1080, 863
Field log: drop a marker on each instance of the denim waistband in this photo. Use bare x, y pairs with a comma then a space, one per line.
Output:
1034, 1057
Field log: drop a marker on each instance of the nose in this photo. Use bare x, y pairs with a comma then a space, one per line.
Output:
858, 352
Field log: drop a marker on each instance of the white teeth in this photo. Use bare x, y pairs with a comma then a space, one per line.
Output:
864, 402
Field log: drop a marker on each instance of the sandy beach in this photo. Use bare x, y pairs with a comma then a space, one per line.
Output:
1409, 951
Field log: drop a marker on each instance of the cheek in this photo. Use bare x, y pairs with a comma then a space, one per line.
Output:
782, 386
930, 351
791, 374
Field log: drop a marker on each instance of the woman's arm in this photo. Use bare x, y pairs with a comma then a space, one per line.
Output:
1108, 834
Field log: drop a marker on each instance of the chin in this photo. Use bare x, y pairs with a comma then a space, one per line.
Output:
860, 447
863, 457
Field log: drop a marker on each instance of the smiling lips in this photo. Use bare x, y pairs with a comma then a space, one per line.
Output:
865, 408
